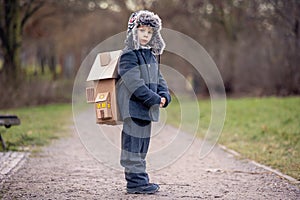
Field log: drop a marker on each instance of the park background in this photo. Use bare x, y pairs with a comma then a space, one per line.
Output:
255, 45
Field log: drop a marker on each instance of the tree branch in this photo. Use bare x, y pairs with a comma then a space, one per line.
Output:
30, 11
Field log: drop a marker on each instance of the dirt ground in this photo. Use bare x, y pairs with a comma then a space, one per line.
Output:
66, 170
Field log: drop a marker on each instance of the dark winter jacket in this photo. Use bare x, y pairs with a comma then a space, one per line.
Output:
140, 86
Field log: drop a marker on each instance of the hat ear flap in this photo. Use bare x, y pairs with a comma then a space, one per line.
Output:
135, 41
157, 44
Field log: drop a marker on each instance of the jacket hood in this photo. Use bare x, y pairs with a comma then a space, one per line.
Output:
147, 18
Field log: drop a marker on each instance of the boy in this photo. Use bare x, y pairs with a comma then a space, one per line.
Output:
141, 92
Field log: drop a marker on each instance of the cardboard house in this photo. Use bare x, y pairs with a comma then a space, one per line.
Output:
104, 73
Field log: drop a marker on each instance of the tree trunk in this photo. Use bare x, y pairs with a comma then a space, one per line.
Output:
11, 41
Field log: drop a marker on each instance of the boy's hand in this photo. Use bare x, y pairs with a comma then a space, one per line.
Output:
162, 102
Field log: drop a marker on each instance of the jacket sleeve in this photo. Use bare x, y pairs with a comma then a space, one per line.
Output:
129, 72
162, 89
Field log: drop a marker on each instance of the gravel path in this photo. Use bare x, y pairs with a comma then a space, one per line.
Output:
66, 170
10, 162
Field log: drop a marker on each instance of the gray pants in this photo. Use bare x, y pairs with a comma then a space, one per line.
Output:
135, 143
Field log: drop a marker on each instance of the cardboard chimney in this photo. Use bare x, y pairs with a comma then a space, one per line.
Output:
104, 73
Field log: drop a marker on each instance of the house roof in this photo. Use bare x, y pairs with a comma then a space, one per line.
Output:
105, 66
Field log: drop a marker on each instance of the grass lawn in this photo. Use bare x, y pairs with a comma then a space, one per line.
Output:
266, 130
39, 125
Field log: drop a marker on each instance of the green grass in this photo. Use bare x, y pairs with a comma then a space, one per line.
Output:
39, 125
266, 130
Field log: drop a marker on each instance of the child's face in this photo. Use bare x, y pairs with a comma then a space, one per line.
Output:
144, 34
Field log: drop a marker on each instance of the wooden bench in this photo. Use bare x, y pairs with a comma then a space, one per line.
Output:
7, 121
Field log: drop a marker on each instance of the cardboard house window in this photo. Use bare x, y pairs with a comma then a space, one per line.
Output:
90, 95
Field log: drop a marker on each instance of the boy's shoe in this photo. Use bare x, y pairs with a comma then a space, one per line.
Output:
151, 188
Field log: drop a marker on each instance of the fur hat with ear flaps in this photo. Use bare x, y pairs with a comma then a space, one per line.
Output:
147, 18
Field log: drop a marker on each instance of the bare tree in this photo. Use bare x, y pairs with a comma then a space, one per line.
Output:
13, 16
284, 21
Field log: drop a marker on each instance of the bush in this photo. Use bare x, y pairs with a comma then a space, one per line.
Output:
35, 92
